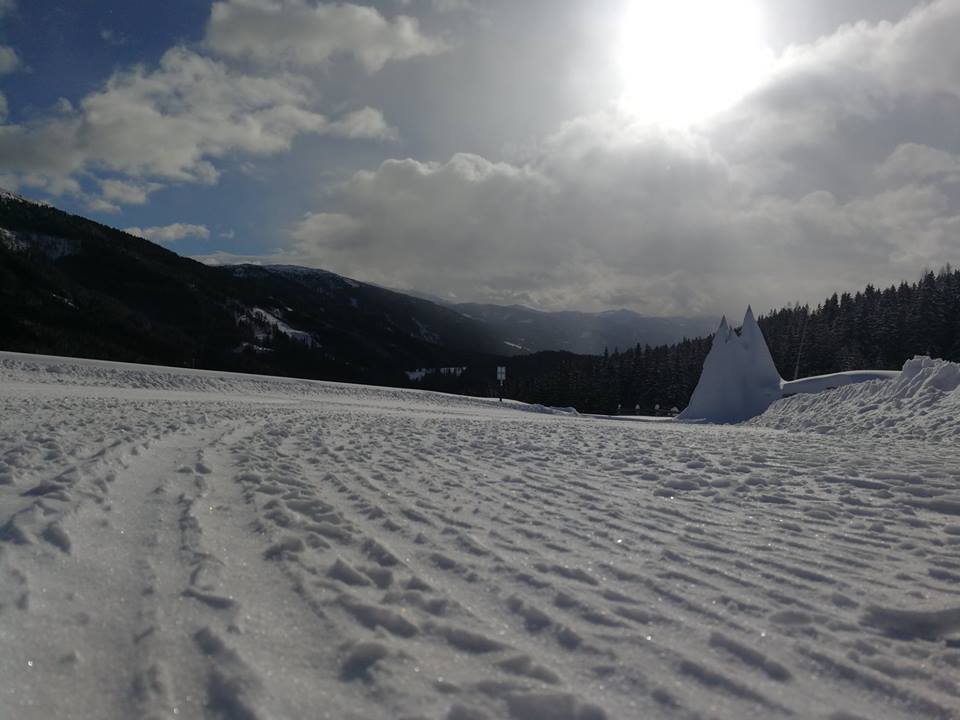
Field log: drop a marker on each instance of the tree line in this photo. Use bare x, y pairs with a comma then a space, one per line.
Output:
870, 329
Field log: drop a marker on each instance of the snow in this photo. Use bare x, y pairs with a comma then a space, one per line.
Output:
274, 321
185, 543
819, 383
922, 401
53, 247
420, 373
739, 378
7, 195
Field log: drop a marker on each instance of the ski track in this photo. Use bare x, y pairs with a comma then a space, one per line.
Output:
263, 549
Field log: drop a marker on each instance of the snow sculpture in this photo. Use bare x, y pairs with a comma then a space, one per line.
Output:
739, 379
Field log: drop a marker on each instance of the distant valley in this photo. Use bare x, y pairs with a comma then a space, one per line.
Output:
71, 286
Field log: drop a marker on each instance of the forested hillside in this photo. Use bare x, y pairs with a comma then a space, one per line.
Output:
71, 286
872, 329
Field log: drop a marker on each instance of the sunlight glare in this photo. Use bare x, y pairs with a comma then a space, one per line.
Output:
684, 60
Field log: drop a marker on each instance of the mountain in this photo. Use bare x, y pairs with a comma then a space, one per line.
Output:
322, 299
71, 286
525, 330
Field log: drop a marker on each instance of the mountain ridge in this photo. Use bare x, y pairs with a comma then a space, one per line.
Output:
62, 271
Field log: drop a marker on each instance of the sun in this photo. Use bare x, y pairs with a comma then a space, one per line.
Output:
682, 61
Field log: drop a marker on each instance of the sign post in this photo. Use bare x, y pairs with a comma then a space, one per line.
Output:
501, 376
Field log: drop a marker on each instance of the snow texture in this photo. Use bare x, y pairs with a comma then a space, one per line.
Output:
8, 196
180, 543
739, 378
922, 402
819, 383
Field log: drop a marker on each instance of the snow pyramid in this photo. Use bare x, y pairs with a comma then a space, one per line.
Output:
739, 379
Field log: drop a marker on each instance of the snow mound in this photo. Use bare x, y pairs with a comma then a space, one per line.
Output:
831, 381
739, 379
922, 402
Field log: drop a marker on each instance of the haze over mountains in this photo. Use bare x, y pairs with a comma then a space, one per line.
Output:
581, 332
75, 287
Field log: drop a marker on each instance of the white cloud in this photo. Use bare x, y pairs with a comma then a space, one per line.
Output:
305, 33
842, 170
127, 193
7, 6
334, 228
366, 123
171, 124
170, 233
864, 75
919, 162
9, 60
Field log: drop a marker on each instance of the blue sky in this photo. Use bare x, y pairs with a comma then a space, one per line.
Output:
665, 157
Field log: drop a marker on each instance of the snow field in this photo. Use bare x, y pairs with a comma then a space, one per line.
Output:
922, 403
203, 545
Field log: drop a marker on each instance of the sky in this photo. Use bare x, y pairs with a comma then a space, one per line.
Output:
674, 157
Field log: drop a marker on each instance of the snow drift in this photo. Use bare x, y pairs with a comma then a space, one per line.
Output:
922, 402
739, 379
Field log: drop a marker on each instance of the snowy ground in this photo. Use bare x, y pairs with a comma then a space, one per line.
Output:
188, 544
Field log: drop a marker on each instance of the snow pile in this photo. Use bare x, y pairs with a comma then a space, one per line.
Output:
819, 383
739, 379
922, 402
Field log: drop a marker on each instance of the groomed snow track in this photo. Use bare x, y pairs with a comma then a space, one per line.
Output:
180, 544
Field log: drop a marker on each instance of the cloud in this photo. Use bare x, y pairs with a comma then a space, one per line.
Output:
920, 162
9, 60
841, 170
170, 233
365, 124
127, 193
308, 34
170, 125
7, 6
110, 37
864, 82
